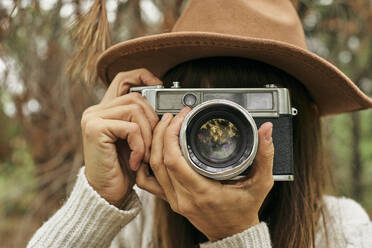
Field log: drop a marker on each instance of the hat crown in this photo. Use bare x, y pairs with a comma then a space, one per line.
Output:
264, 19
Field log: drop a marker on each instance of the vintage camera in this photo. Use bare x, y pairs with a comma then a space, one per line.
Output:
218, 138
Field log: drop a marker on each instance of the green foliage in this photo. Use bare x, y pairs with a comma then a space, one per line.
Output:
17, 184
16, 167
340, 142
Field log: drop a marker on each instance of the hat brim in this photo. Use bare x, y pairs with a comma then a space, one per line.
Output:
331, 90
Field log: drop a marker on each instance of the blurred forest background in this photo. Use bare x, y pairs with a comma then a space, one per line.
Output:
40, 107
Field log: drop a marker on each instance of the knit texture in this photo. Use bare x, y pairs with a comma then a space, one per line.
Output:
256, 236
87, 220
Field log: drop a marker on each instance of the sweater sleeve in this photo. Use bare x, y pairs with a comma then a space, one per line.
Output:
257, 236
85, 220
351, 226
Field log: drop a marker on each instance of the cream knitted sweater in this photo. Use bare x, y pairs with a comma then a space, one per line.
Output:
87, 220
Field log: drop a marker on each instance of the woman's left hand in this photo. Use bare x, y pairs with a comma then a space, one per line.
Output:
217, 209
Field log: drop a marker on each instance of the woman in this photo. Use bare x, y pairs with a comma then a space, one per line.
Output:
189, 208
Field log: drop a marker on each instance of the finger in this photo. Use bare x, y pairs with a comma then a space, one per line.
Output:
132, 113
261, 171
124, 151
114, 129
263, 162
156, 158
149, 183
134, 98
262, 167
124, 80
175, 163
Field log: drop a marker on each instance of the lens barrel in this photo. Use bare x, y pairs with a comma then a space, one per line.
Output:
219, 139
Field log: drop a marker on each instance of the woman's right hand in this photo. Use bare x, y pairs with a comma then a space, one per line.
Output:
117, 135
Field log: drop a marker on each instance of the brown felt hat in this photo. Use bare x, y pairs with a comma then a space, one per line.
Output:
264, 30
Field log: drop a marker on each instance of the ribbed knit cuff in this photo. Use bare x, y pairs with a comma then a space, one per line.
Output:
85, 220
257, 236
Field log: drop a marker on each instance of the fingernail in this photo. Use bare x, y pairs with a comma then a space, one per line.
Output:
184, 110
136, 166
268, 133
165, 117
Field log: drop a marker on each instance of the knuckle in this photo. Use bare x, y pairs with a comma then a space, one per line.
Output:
147, 77
185, 208
174, 207
134, 128
268, 153
89, 109
143, 70
170, 161
85, 116
251, 181
172, 132
268, 184
83, 122
154, 163
136, 108
92, 127
121, 76
121, 81
140, 181
205, 201
136, 96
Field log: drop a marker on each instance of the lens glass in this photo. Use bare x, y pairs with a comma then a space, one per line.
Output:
218, 140
219, 137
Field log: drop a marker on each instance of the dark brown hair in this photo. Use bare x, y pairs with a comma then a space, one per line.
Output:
292, 209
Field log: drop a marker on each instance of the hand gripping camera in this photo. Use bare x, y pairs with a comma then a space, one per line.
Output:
218, 138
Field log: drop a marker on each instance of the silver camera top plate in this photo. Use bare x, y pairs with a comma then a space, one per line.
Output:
260, 102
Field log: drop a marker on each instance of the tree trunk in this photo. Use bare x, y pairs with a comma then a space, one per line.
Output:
357, 169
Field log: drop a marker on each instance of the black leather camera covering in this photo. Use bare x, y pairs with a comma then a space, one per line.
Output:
283, 143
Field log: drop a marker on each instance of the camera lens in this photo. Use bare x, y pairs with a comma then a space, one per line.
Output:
219, 139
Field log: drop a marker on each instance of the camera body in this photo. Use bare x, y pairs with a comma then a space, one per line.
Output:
218, 138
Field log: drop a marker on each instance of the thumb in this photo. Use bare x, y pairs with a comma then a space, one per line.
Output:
264, 159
